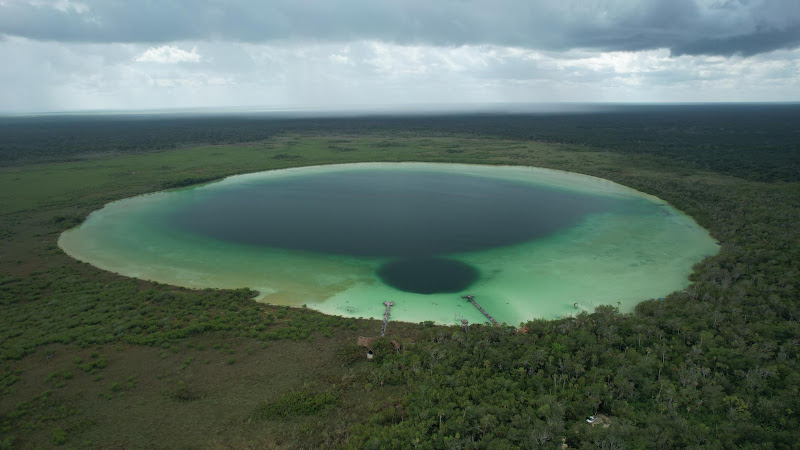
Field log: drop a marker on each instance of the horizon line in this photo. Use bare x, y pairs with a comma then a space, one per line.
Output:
361, 109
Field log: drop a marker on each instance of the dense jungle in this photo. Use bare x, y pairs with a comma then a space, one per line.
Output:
94, 359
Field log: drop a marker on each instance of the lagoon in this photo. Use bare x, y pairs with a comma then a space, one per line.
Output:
528, 242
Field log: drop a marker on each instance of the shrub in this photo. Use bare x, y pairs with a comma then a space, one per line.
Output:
297, 403
59, 436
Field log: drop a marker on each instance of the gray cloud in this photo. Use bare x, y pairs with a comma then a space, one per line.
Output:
686, 27
48, 76
749, 44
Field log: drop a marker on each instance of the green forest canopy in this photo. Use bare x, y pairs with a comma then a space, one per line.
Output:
715, 365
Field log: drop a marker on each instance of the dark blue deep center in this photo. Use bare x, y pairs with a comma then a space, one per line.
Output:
428, 275
399, 214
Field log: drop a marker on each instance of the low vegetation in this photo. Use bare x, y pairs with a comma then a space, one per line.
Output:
90, 358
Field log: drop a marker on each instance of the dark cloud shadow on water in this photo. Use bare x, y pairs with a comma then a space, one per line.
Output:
386, 214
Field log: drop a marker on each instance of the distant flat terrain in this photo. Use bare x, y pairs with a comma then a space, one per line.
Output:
90, 358
752, 141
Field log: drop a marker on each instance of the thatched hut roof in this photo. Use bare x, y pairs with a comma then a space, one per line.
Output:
366, 342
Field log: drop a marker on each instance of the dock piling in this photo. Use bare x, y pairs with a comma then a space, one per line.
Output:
386, 316
471, 298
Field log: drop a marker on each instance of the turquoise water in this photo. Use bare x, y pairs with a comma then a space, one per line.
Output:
342, 239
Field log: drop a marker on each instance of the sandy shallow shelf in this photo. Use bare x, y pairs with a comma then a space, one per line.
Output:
622, 248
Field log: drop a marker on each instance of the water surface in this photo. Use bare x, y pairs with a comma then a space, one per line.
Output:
342, 239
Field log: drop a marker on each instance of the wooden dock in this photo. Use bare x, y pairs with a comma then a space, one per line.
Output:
471, 299
386, 316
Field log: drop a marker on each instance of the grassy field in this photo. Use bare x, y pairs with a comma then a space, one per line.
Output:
92, 359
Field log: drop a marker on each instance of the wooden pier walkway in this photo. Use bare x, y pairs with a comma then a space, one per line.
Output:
471, 299
386, 316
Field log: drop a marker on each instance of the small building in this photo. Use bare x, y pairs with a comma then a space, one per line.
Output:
366, 342
599, 419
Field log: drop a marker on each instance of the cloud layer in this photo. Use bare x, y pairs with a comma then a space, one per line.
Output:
686, 27
144, 54
168, 54
54, 76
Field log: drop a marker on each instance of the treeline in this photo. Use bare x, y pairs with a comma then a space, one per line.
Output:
752, 141
65, 138
108, 311
714, 366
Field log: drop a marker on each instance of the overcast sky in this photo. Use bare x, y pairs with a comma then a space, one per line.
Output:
145, 54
